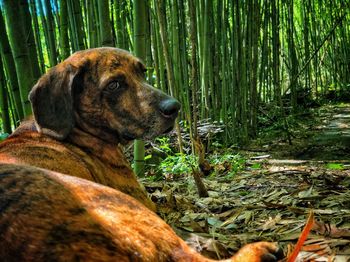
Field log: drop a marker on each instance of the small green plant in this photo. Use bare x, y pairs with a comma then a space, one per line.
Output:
217, 145
164, 144
335, 166
256, 166
229, 164
178, 164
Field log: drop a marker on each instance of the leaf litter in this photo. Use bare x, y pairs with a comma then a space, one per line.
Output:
269, 202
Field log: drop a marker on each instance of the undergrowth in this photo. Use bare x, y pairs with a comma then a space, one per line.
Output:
164, 162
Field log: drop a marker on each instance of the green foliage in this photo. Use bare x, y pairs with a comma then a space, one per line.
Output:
164, 144
276, 49
224, 163
256, 166
164, 162
231, 158
228, 163
335, 166
217, 144
178, 164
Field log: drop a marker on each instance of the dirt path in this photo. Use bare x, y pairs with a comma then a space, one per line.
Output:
331, 139
317, 166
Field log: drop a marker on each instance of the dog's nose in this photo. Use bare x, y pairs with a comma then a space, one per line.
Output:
169, 108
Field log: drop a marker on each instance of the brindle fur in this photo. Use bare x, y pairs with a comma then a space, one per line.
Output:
48, 216
79, 121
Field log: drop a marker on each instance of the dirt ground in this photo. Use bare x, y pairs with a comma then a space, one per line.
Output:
271, 198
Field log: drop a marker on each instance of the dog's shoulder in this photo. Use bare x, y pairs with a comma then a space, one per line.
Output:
26, 125
27, 146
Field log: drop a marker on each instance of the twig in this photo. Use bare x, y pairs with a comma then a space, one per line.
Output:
289, 172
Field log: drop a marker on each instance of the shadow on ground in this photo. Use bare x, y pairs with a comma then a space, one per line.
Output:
331, 139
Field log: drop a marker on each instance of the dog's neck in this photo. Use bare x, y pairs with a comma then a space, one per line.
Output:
96, 130
108, 152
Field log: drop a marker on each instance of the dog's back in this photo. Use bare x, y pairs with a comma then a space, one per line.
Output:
47, 216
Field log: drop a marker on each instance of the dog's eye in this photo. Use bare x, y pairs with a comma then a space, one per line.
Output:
113, 86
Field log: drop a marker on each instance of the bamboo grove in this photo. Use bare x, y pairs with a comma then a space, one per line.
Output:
224, 60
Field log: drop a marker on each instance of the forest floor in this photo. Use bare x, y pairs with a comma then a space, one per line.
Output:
271, 197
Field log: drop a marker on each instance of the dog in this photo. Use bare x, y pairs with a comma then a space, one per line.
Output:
49, 216
67, 193
85, 108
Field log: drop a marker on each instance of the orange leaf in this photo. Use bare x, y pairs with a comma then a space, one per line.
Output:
302, 238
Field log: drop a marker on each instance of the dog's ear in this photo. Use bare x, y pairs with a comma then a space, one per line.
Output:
52, 101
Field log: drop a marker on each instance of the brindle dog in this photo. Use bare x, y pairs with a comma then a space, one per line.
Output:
84, 108
47, 216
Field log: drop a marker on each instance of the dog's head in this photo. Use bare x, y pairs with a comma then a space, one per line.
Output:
103, 92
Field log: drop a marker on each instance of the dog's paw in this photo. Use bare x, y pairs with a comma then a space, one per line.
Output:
258, 252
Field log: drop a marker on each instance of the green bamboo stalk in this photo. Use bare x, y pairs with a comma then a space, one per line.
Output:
276, 51
44, 28
175, 46
91, 24
4, 106
10, 69
224, 68
16, 25
37, 35
64, 39
51, 39
106, 38
76, 25
30, 41
120, 36
292, 55
183, 63
140, 23
241, 76
158, 49
194, 68
78, 16
161, 12
253, 68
